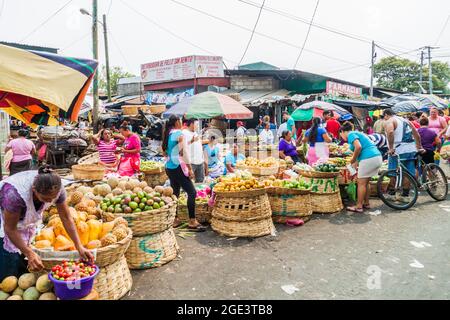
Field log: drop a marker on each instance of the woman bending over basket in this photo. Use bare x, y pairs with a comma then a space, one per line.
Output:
179, 172
369, 158
23, 199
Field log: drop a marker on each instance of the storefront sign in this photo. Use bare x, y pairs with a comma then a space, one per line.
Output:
182, 68
335, 88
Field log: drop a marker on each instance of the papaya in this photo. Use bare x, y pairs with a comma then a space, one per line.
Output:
95, 229
47, 296
9, 284
43, 244
60, 230
83, 216
106, 228
46, 234
43, 284
63, 244
53, 221
27, 280
31, 294
83, 232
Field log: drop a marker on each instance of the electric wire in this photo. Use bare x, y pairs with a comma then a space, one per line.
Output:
253, 33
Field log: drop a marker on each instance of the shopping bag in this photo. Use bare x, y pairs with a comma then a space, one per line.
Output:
351, 191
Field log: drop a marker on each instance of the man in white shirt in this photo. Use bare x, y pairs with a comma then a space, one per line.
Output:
241, 130
194, 150
281, 129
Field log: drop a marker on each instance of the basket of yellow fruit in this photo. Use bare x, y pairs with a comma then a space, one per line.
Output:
266, 167
241, 208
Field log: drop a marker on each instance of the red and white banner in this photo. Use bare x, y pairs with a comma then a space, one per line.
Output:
182, 68
335, 88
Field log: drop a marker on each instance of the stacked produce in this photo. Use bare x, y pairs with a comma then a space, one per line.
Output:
326, 168
296, 184
27, 287
253, 162
340, 162
151, 165
339, 150
236, 183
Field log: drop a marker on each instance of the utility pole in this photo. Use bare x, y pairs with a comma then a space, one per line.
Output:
108, 77
430, 71
430, 68
421, 66
372, 68
95, 110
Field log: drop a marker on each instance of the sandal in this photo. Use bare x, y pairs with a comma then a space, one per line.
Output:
367, 206
198, 228
355, 209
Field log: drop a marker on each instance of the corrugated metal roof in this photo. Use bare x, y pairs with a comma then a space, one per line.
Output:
258, 97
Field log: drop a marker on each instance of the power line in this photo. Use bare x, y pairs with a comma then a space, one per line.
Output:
253, 33
118, 48
46, 20
307, 35
319, 26
442, 31
171, 32
261, 34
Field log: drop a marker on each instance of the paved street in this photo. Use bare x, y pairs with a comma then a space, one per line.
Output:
393, 255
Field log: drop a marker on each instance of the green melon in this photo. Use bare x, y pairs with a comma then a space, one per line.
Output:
27, 280
47, 296
3, 295
43, 284
15, 298
18, 292
31, 294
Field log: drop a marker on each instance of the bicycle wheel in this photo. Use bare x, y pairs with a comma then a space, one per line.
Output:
435, 182
402, 192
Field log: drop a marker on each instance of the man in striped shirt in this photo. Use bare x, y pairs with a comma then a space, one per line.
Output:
381, 142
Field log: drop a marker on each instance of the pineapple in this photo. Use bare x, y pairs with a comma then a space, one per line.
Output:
109, 239
120, 233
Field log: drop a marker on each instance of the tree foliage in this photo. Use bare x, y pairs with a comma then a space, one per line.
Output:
403, 74
116, 73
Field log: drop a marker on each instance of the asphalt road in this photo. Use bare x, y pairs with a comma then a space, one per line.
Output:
392, 255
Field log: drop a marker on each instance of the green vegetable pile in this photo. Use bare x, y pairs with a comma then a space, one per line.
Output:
326, 168
296, 184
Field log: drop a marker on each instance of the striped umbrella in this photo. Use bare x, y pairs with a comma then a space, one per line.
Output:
40, 88
208, 105
307, 111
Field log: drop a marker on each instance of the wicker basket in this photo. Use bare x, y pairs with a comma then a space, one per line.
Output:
373, 188
323, 185
242, 214
150, 222
245, 229
157, 109
130, 110
105, 256
326, 202
114, 281
203, 213
260, 171
93, 158
155, 178
318, 174
152, 251
289, 203
88, 172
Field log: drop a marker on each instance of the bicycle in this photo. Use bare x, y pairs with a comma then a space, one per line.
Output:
432, 180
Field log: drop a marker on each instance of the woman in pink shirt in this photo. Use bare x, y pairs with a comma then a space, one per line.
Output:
130, 161
436, 122
23, 151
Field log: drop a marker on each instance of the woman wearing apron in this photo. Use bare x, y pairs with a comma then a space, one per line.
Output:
23, 199
317, 138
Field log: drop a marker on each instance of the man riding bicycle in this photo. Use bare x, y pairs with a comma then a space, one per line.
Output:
404, 143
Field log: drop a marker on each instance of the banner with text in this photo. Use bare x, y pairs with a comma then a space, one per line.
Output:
182, 68
335, 88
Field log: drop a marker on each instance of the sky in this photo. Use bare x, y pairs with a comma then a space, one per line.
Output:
145, 31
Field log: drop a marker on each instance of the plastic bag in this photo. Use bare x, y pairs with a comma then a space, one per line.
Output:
351, 191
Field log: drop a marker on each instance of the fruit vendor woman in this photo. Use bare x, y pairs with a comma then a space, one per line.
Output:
130, 160
232, 158
23, 199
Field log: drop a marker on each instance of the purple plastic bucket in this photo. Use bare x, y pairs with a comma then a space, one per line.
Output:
74, 290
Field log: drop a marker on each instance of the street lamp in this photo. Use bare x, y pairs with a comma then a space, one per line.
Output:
105, 33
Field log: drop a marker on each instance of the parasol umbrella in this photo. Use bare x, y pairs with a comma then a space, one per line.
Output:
209, 105
40, 88
406, 106
307, 111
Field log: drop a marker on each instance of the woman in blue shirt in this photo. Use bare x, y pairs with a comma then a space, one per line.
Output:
367, 158
179, 172
317, 138
232, 158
